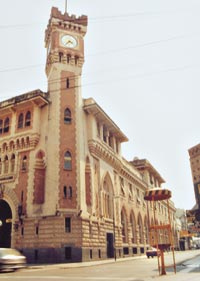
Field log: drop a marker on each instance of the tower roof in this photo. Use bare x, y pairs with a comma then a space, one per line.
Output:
55, 13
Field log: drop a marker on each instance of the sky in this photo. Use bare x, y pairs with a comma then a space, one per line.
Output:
142, 66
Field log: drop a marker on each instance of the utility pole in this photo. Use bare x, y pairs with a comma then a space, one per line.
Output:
65, 6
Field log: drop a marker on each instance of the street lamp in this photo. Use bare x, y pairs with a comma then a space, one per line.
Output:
2, 190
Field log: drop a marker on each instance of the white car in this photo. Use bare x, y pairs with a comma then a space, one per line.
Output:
11, 259
152, 252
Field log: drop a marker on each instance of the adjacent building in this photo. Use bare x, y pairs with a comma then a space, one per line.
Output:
194, 214
194, 154
67, 193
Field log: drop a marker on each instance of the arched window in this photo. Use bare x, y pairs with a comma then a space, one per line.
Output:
68, 58
6, 125
1, 126
133, 228
6, 165
65, 192
24, 163
12, 169
108, 198
70, 192
28, 119
20, 121
140, 229
76, 58
67, 116
60, 57
124, 227
146, 230
67, 83
67, 161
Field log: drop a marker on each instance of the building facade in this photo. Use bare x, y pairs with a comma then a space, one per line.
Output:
194, 154
67, 193
193, 215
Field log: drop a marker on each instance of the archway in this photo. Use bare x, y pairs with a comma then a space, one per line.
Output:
5, 224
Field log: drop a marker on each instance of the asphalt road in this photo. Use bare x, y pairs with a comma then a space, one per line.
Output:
136, 269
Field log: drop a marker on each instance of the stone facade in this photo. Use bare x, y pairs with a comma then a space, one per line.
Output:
69, 193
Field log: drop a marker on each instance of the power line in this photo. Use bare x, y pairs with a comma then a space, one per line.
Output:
20, 68
142, 45
92, 19
22, 25
134, 76
102, 18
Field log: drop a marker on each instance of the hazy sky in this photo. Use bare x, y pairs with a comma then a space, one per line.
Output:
142, 67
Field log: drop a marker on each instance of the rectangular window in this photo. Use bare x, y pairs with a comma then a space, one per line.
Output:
67, 83
37, 230
99, 254
36, 255
68, 253
134, 250
68, 225
126, 251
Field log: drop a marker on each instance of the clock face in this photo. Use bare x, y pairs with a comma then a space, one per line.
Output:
68, 41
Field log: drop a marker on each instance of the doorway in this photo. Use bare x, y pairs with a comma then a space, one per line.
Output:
5, 224
110, 245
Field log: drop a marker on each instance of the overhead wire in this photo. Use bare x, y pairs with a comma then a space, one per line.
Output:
92, 19
108, 17
134, 76
103, 52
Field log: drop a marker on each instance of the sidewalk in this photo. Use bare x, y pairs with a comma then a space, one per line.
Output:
184, 274
170, 276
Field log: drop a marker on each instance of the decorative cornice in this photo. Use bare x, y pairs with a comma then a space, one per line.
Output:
102, 151
128, 172
38, 97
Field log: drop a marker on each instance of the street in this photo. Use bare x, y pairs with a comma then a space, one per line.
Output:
136, 269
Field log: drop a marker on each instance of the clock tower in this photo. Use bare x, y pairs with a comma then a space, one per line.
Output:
64, 41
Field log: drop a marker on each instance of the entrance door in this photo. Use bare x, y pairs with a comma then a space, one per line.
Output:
5, 224
110, 245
